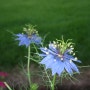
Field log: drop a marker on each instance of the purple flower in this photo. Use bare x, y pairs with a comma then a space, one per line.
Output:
3, 74
2, 84
59, 59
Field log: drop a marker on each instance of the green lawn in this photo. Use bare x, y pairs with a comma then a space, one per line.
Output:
70, 18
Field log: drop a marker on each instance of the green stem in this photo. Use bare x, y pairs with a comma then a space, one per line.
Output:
48, 77
35, 48
53, 82
28, 65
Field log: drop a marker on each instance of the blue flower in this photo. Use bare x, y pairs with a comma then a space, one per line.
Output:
30, 36
59, 59
24, 39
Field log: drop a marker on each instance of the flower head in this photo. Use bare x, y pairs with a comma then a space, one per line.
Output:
59, 57
3, 74
30, 36
2, 85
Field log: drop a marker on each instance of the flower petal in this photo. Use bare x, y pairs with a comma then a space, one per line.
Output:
74, 67
68, 68
55, 67
42, 55
60, 69
52, 47
36, 39
46, 59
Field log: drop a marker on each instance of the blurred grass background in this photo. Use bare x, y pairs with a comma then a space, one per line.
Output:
70, 18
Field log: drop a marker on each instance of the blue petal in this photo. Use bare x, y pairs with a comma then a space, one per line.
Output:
36, 39
61, 68
55, 67
44, 50
74, 67
51, 47
42, 55
76, 60
46, 59
79, 61
67, 51
68, 68
19, 35
50, 62
51, 52
23, 39
68, 57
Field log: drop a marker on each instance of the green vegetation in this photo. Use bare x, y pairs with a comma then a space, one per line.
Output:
70, 18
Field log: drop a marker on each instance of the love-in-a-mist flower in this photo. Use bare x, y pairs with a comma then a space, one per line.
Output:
59, 57
30, 36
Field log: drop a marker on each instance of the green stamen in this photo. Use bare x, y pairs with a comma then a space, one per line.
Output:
29, 30
63, 46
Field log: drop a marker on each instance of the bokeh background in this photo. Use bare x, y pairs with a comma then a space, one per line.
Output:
54, 18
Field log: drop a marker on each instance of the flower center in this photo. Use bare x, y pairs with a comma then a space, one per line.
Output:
30, 30
60, 56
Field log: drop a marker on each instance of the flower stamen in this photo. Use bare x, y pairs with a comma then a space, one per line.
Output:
47, 53
45, 48
61, 59
60, 56
70, 61
75, 59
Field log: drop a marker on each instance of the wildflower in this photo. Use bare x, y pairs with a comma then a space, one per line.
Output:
3, 74
30, 36
59, 57
2, 85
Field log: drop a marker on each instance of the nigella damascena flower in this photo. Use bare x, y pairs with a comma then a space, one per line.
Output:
30, 36
59, 57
